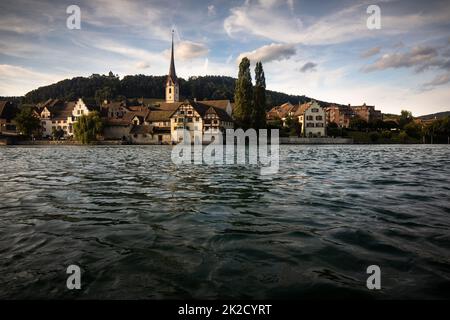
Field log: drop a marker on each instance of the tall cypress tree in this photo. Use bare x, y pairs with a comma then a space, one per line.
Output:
259, 98
243, 95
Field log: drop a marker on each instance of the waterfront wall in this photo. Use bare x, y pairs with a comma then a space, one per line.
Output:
297, 140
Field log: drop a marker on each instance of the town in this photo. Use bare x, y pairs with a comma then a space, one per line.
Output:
149, 121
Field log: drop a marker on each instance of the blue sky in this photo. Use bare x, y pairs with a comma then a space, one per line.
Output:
322, 49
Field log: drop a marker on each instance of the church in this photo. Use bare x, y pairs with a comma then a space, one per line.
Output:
165, 122
198, 117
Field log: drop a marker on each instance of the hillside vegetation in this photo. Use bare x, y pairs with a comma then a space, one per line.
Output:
99, 87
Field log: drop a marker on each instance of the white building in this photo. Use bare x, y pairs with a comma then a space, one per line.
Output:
59, 115
312, 118
200, 118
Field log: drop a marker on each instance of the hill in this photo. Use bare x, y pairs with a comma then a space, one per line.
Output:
438, 115
99, 87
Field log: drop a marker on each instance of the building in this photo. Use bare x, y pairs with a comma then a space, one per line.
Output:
367, 113
200, 118
56, 115
172, 86
8, 111
312, 118
281, 113
340, 115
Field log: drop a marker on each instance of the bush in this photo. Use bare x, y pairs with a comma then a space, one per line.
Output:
403, 136
374, 136
386, 134
413, 130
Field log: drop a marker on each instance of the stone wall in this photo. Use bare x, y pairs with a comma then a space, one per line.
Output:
297, 140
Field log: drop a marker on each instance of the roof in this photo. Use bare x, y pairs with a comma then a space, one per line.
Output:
8, 110
303, 107
159, 115
169, 106
141, 129
62, 112
51, 103
222, 114
128, 117
222, 104
116, 122
172, 74
280, 111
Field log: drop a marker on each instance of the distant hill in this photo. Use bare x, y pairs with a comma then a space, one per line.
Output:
98, 87
438, 115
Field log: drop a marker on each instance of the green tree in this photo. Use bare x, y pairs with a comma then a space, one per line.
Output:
413, 130
405, 118
57, 133
358, 124
26, 122
259, 98
103, 94
88, 127
243, 95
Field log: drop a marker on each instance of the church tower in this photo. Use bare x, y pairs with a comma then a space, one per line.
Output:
172, 87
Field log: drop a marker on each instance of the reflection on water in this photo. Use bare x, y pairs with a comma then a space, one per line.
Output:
140, 227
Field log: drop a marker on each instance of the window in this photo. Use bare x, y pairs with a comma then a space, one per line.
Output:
319, 118
189, 119
314, 110
309, 117
181, 112
170, 90
78, 111
310, 125
319, 124
197, 119
189, 112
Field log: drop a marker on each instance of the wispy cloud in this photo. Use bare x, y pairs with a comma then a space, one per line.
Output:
371, 52
419, 58
309, 66
271, 52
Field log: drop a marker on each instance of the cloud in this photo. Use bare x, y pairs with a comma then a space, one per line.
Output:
309, 66
278, 24
142, 65
187, 50
269, 53
437, 81
16, 80
371, 52
420, 58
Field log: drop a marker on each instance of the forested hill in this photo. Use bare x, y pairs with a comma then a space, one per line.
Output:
99, 87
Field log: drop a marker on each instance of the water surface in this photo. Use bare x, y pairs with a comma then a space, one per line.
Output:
141, 227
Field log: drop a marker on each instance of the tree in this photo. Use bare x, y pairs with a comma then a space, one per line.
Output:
405, 118
413, 130
57, 133
88, 127
243, 95
103, 94
358, 124
259, 98
26, 122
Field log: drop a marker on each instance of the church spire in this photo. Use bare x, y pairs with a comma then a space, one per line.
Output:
172, 87
172, 73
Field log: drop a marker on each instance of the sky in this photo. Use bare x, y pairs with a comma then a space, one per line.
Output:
321, 49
